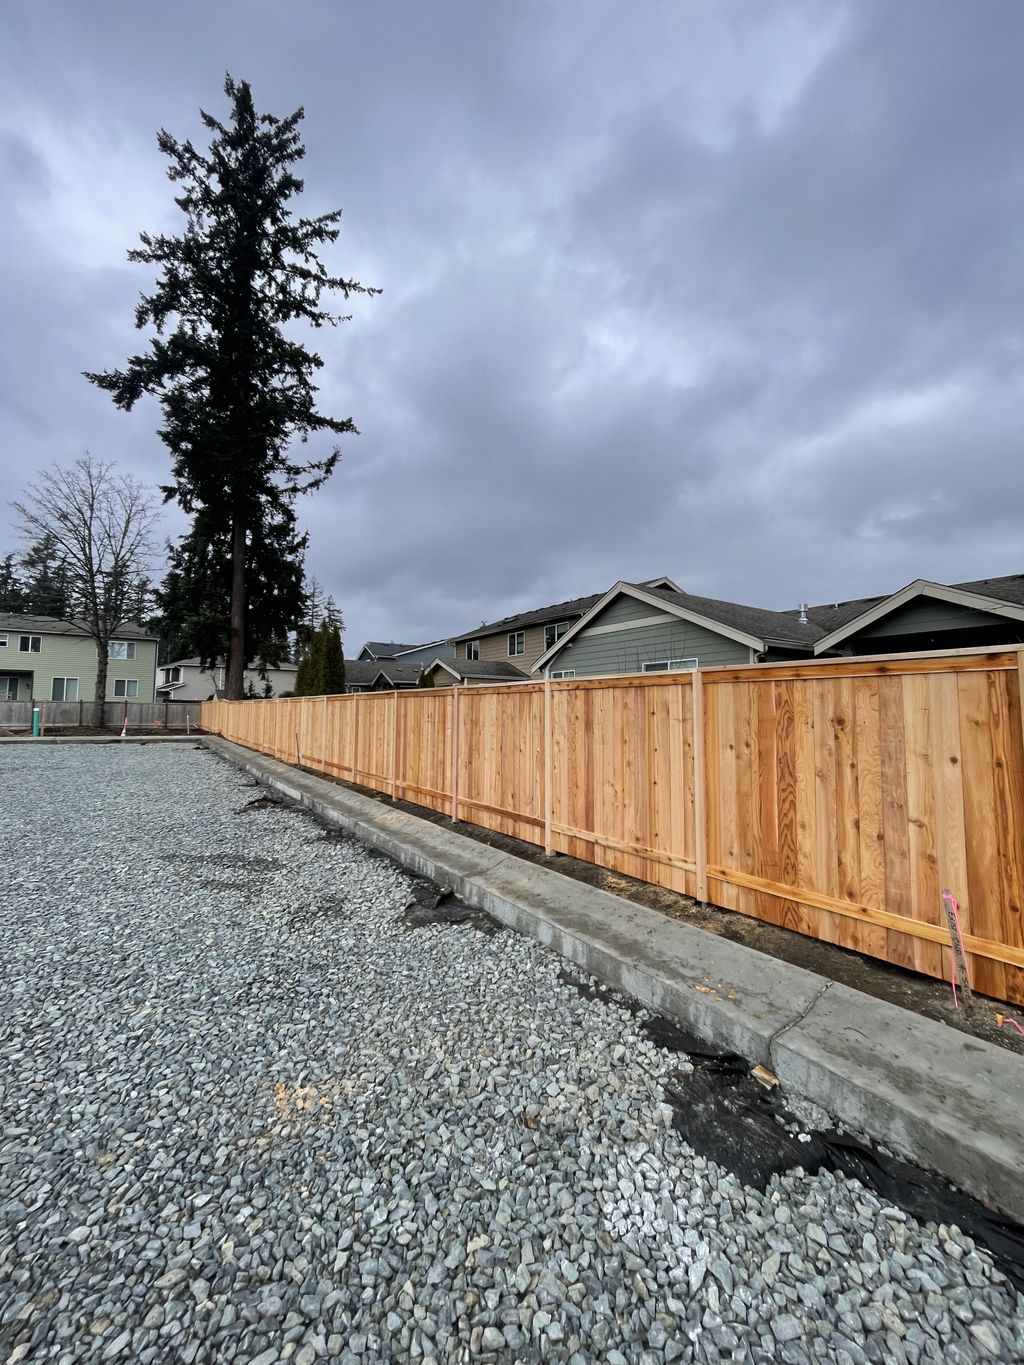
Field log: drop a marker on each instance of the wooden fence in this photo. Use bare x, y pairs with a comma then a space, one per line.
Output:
834, 798
64, 715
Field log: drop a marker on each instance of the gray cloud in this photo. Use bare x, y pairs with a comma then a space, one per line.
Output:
732, 293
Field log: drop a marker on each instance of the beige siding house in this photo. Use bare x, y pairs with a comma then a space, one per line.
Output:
521, 640
187, 680
45, 659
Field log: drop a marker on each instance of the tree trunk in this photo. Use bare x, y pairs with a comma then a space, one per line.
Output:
234, 685
100, 696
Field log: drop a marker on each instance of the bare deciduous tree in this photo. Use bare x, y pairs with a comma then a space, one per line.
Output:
101, 523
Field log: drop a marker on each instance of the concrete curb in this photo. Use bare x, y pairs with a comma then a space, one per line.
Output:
951, 1103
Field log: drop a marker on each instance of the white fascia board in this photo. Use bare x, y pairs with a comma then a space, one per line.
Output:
921, 587
443, 663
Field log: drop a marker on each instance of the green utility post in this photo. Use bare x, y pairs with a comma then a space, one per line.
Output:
35, 722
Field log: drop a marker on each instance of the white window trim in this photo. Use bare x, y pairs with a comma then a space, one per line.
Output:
472, 650
563, 673
669, 665
65, 681
126, 695
27, 649
516, 636
560, 628
129, 650
3, 639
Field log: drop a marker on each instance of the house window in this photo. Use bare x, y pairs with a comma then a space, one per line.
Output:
8, 689
564, 673
554, 633
30, 644
517, 642
64, 689
472, 649
668, 665
126, 687
3, 639
121, 649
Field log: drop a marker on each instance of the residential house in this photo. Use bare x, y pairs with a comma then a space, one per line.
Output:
376, 650
474, 673
393, 675
360, 674
43, 658
523, 638
188, 680
642, 629
924, 616
639, 628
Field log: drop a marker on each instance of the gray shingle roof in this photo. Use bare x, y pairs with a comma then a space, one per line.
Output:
831, 615
360, 672
387, 649
498, 669
53, 625
561, 611
772, 627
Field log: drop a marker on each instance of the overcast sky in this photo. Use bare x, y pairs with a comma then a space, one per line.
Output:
726, 291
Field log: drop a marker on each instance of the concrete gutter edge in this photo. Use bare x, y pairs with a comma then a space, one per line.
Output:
950, 1102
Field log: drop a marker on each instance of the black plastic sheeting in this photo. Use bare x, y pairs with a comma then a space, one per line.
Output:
730, 1118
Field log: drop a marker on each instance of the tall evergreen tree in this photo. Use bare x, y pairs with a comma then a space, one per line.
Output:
333, 676
235, 386
12, 589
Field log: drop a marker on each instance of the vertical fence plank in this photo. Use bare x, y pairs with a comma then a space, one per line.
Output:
700, 788
394, 743
548, 775
453, 749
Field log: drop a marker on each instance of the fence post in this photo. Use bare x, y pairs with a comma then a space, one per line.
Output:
453, 749
699, 788
277, 731
81, 708
394, 743
323, 739
548, 792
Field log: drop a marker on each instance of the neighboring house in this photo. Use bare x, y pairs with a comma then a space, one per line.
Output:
391, 676
377, 650
637, 628
187, 680
522, 639
474, 672
360, 674
924, 616
43, 658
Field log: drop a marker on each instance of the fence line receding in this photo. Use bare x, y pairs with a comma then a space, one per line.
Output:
838, 799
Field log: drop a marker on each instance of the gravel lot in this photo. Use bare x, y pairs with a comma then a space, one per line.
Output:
247, 1113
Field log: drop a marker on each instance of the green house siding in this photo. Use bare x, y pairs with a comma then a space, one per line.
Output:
73, 656
928, 614
928, 623
626, 651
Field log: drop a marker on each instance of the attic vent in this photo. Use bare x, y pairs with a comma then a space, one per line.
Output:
803, 614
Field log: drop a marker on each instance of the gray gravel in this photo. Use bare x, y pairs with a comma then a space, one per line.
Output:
247, 1114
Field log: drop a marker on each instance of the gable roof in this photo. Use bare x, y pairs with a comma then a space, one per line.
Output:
54, 625
997, 596
498, 669
360, 672
755, 627
386, 649
396, 675
560, 611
